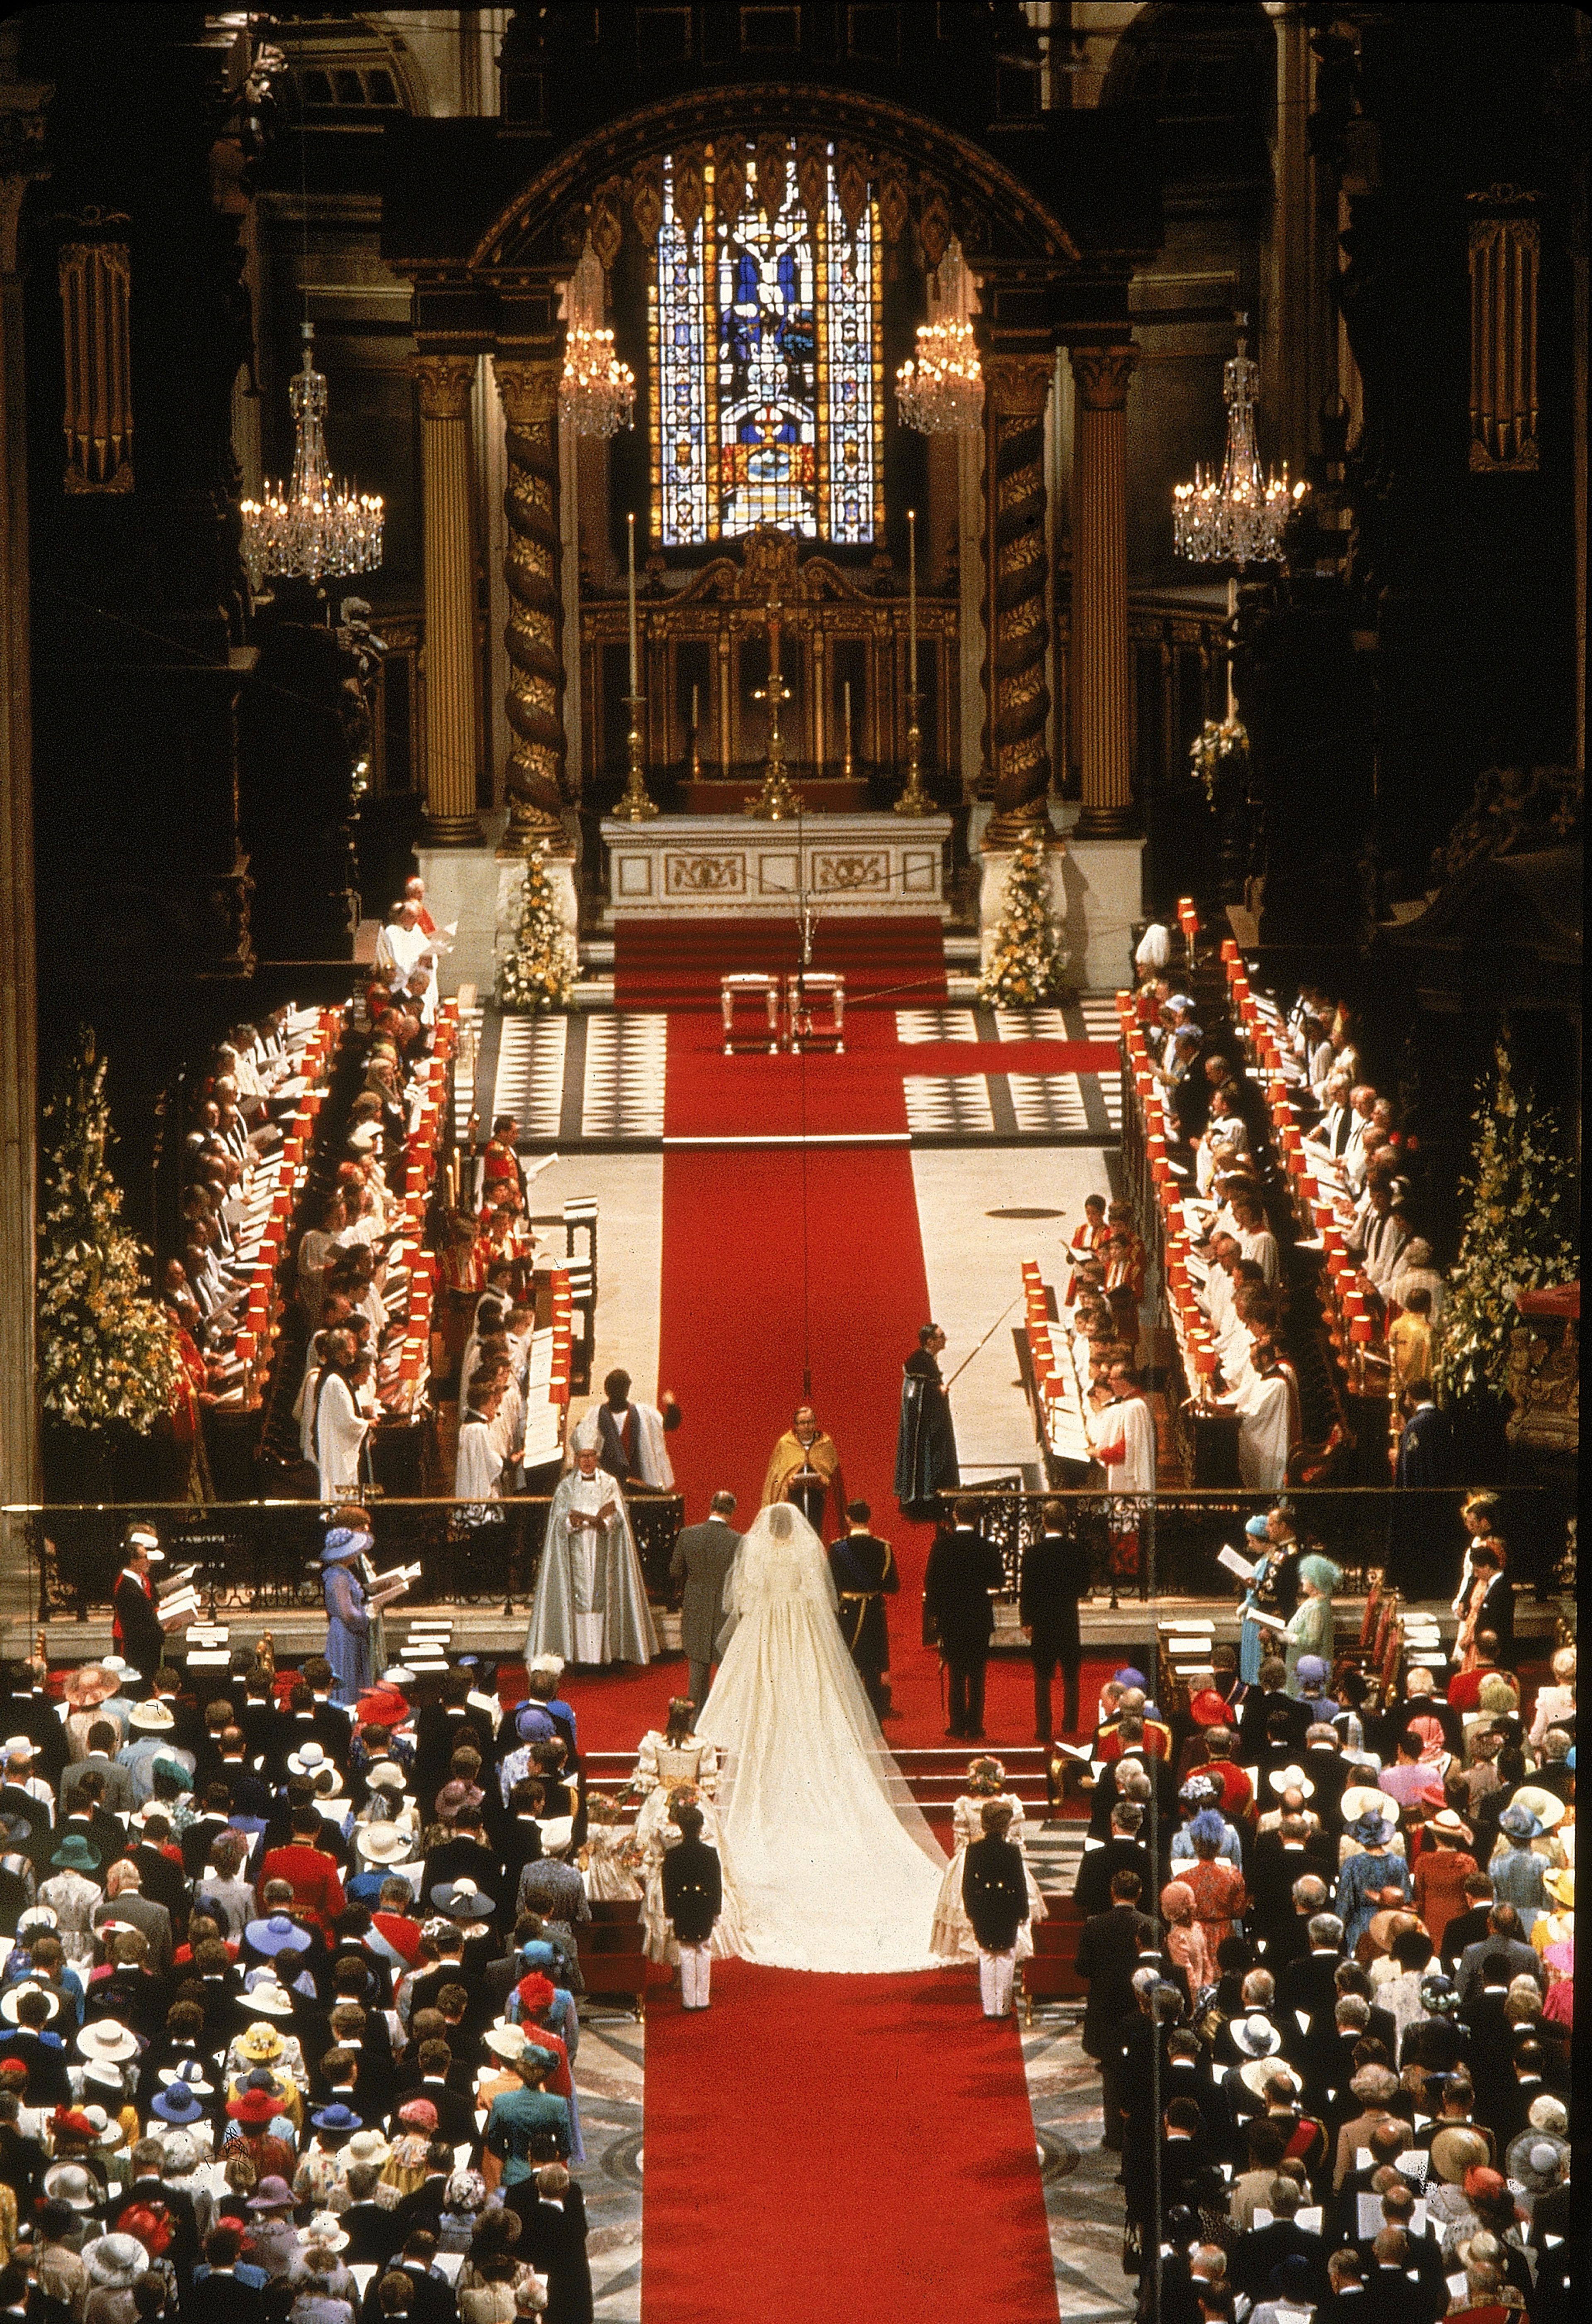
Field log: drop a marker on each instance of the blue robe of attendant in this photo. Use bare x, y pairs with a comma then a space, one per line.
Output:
925, 1446
348, 1634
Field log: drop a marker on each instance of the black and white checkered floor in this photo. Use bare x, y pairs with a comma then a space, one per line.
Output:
598, 1081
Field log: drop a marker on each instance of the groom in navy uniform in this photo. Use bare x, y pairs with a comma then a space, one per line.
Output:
962, 1570
865, 1575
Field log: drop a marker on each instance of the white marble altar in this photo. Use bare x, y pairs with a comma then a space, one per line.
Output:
737, 866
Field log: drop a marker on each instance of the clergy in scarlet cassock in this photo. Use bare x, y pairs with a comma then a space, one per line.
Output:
925, 1446
805, 1467
591, 1602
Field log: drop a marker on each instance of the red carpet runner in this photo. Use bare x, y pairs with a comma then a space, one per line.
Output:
837, 2146
663, 965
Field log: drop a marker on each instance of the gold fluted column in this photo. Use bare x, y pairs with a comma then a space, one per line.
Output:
1100, 591
1017, 567
21, 161
534, 635
452, 720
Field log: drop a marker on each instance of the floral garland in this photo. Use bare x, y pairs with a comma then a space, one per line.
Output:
541, 971
1215, 748
1026, 967
106, 1352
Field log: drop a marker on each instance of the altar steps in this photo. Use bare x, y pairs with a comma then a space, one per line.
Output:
678, 963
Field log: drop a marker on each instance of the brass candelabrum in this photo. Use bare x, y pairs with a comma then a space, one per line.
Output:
775, 802
914, 799
636, 806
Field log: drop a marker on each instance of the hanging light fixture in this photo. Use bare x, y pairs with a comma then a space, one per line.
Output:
942, 393
1239, 519
317, 526
597, 393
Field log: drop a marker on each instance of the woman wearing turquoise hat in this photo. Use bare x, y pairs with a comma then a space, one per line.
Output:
1274, 1587
1309, 1631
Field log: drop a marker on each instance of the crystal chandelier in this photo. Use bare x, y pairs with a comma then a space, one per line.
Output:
1240, 520
317, 526
942, 392
597, 393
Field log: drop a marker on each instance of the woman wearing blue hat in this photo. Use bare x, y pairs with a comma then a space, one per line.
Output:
349, 1613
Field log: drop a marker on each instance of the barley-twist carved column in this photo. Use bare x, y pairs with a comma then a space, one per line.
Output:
533, 638
449, 559
1100, 590
1016, 567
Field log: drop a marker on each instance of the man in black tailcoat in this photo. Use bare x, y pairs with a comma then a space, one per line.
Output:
865, 1575
925, 1443
962, 1570
1054, 1575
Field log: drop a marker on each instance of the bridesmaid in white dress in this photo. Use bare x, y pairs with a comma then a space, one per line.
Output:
675, 1765
952, 1937
612, 1855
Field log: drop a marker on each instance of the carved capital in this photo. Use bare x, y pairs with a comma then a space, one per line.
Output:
529, 390
1016, 386
445, 385
21, 156
1101, 376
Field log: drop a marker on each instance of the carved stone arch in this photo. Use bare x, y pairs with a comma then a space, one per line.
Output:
990, 209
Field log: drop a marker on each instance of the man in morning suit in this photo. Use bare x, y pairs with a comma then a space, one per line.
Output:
704, 1555
962, 1570
865, 1575
1054, 1575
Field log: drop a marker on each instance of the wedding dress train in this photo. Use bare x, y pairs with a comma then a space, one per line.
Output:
836, 1867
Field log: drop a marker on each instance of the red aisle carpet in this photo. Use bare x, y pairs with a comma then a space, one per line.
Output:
663, 965
847, 2148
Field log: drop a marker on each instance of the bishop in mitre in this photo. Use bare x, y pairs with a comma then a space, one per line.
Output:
591, 1601
805, 1468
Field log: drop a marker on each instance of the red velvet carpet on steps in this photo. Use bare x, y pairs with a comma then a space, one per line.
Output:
855, 2148
661, 965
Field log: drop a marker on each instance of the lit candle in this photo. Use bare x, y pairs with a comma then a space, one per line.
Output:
912, 599
848, 692
693, 695
631, 527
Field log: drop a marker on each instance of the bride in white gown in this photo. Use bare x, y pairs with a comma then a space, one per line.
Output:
835, 1865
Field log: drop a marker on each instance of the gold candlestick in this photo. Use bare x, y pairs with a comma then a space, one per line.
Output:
914, 799
776, 801
695, 751
848, 768
635, 805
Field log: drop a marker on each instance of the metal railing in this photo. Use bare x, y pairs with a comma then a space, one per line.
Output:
263, 1556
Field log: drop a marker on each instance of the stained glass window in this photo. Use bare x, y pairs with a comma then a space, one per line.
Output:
767, 403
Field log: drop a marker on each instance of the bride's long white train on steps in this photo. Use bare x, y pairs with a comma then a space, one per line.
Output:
835, 1864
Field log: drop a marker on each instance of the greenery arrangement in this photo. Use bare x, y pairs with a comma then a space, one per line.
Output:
540, 973
107, 1354
1026, 967
1517, 1236
1214, 749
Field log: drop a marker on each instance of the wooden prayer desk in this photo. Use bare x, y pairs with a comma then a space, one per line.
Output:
747, 985
801, 989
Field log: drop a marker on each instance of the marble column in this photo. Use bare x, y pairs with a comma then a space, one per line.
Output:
21, 129
536, 779
1015, 771
452, 717
1100, 591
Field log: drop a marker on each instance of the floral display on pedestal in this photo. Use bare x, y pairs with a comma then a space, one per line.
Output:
108, 1352
1517, 1238
541, 971
1026, 968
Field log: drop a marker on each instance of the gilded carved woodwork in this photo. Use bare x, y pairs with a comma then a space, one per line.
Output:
533, 633
833, 617
1505, 257
1017, 764
445, 382
95, 291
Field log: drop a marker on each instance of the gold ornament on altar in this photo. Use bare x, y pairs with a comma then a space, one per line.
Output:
636, 804
914, 799
775, 802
